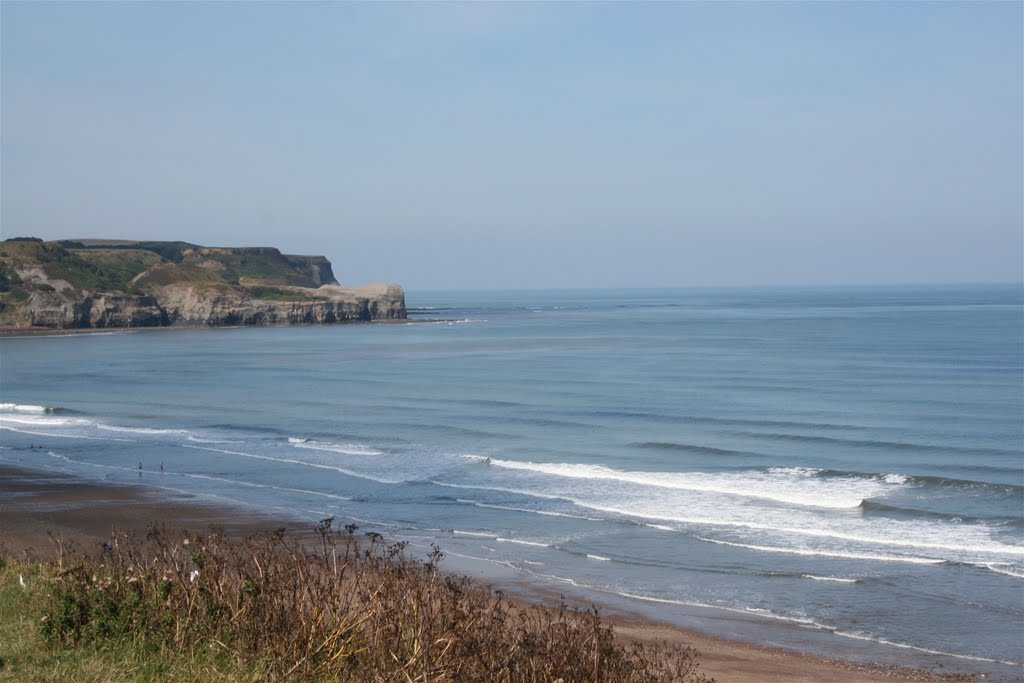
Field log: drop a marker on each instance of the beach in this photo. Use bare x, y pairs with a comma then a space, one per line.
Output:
38, 506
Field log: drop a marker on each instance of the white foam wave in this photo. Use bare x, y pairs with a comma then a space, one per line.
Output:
61, 456
500, 489
18, 408
475, 534
509, 508
905, 646
196, 439
43, 417
1000, 568
141, 430
292, 461
44, 420
237, 482
834, 579
825, 553
795, 471
974, 541
64, 436
599, 558
522, 542
689, 603
500, 563
803, 621
447, 323
344, 449
793, 486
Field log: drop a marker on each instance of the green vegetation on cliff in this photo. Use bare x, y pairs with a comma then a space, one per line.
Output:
45, 261
120, 283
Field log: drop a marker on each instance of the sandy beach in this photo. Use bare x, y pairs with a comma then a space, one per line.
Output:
37, 504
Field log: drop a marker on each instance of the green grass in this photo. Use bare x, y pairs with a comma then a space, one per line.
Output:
113, 268
119, 267
179, 273
172, 251
267, 268
59, 263
28, 656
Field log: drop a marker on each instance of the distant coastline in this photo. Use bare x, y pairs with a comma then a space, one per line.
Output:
72, 285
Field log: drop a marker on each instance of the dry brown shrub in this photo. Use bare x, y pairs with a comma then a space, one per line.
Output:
336, 606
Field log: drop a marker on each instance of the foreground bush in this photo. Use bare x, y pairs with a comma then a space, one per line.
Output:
333, 607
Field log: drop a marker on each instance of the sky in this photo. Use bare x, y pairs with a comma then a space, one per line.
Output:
529, 145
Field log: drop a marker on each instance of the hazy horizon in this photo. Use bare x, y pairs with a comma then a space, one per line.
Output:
528, 146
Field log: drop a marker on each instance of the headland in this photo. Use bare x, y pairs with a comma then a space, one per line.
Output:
116, 284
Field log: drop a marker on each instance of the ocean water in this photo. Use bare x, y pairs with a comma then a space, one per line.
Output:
837, 470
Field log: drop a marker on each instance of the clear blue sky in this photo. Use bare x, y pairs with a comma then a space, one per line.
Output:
530, 144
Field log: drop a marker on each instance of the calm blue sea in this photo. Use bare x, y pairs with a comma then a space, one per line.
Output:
839, 470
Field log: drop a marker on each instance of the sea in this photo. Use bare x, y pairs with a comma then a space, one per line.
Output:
833, 470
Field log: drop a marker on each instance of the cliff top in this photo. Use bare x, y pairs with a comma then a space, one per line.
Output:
131, 266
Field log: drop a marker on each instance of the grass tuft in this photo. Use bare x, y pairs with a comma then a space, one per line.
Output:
275, 607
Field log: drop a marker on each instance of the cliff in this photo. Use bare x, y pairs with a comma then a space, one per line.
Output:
111, 284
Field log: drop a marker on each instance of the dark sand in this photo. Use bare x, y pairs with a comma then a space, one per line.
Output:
35, 504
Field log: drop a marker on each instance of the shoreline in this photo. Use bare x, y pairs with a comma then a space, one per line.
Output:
36, 503
15, 332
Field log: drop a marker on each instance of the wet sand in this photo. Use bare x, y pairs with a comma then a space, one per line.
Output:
37, 504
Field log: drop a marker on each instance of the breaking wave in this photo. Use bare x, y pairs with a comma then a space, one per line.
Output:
343, 449
785, 485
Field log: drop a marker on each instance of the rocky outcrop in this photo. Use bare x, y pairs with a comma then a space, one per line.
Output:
124, 311
53, 309
188, 305
184, 305
48, 285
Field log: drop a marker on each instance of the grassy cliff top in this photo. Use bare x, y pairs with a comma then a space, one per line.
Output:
133, 267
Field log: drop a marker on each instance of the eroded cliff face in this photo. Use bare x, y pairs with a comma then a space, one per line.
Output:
66, 310
187, 305
45, 285
184, 305
317, 268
